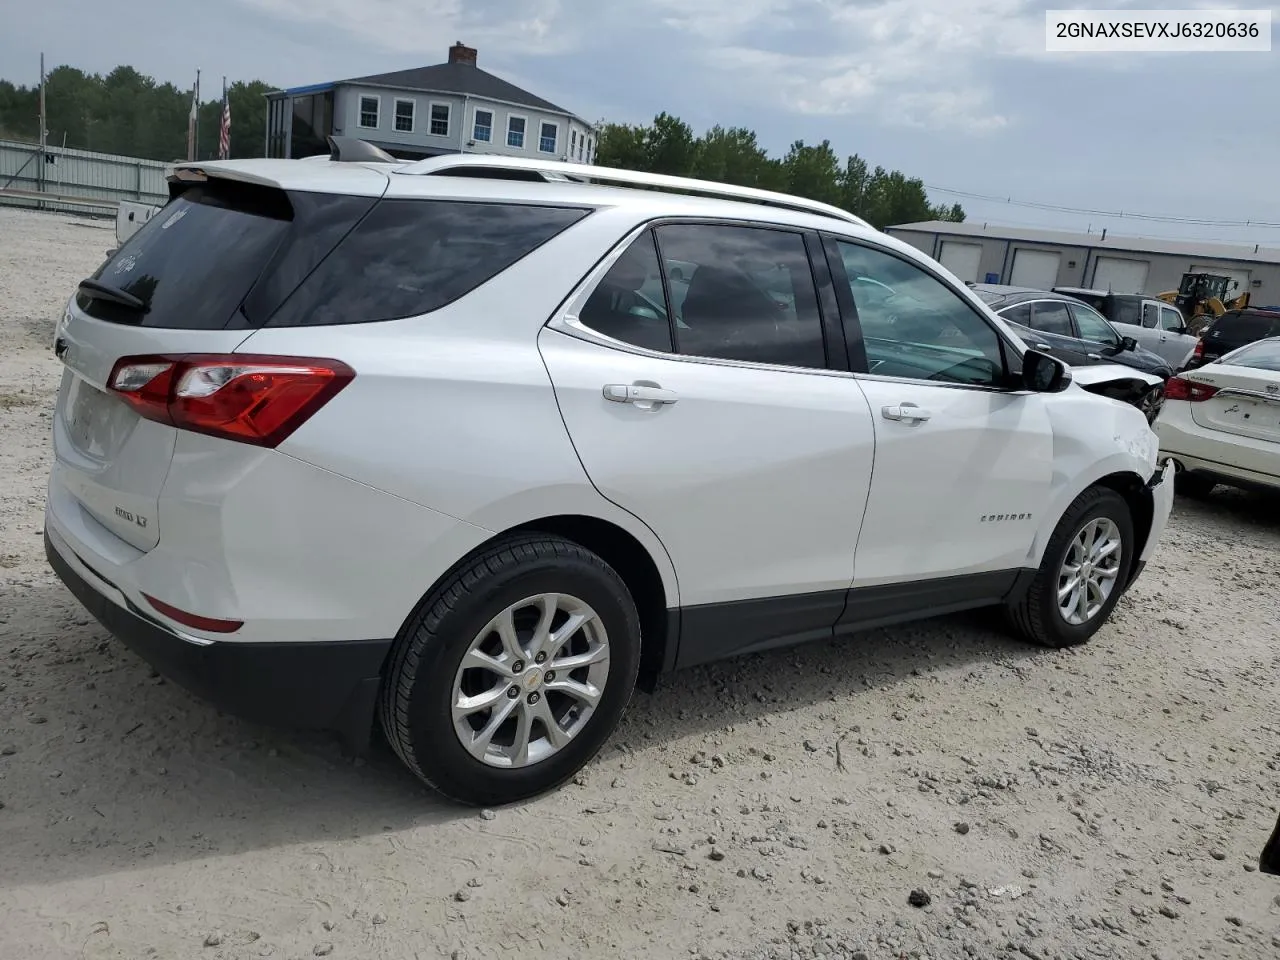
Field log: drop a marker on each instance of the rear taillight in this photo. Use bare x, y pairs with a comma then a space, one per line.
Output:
1177, 388
1198, 352
252, 399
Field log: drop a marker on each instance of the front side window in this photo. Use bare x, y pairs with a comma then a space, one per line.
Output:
515, 132
914, 326
369, 112
1051, 316
404, 116
1170, 319
1093, 326
440, 119
483, 131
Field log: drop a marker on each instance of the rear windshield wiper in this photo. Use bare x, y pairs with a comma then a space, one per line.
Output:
103, 291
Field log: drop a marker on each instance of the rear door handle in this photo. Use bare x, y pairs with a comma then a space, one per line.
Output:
1095, 356
905, 411
638, 393
1043, 346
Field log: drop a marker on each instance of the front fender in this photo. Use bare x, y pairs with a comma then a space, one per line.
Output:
1093, 438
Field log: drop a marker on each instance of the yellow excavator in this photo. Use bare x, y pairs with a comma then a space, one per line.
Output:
1203, 296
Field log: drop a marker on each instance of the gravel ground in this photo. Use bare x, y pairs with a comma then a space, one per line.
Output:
935, 791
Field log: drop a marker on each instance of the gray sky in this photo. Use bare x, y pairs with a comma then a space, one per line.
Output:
958, 92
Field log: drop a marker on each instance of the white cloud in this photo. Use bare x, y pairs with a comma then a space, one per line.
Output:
404, 26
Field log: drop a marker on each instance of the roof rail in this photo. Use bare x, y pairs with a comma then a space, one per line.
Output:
486, 165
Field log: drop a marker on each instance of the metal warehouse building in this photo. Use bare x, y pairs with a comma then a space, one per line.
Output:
1045, 258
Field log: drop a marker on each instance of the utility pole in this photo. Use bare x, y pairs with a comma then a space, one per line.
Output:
44, 133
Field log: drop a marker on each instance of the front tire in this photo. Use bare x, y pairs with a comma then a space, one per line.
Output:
513, 672
1084, 571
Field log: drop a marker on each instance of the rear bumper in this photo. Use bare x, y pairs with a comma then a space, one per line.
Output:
329, 685
1218, 455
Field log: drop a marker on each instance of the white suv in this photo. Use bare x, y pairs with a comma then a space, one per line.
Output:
473, 445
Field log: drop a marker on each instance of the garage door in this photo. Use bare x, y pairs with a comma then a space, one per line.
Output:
1240, 276
1037, 269
1121, 276
962, 259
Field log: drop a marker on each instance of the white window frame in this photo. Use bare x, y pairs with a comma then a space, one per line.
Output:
395, 115
431, 118
376, 98
524, 143
493, 119
573, 140
555, 147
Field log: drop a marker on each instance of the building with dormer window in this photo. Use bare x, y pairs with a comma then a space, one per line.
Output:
452, 107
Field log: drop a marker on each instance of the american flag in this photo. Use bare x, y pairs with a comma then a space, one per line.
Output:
224, 134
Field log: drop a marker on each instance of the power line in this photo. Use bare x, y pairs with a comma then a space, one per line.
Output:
1118, 214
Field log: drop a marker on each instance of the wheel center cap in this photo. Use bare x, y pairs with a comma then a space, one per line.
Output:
533, 679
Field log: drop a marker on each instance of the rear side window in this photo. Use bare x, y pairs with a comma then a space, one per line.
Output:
409, 257
194, 261
1245, 327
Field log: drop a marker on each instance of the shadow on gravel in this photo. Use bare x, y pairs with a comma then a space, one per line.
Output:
116, 768
1259, 510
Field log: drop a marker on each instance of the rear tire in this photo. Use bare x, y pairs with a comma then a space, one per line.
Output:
1053, 614
506, 723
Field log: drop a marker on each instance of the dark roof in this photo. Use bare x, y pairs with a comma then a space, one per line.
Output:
462, 79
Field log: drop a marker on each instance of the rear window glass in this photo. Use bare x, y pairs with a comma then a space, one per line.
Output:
1260, 356
409, 257
193, 262
1245, 327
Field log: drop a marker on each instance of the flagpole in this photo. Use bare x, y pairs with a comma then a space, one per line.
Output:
43, 135
197, 156
221, 120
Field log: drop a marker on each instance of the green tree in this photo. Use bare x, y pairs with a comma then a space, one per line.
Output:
734, 155
127, 112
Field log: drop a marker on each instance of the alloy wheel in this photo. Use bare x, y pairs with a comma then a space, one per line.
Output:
1090, 570
530, 681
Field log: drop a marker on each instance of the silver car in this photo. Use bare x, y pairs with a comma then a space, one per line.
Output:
1156, 325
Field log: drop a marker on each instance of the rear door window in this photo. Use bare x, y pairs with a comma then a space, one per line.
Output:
1050, 316
742, 293
409, 257
193, 262
1019, 313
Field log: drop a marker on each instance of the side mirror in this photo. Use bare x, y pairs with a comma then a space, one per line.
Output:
1128, 343
1042, 373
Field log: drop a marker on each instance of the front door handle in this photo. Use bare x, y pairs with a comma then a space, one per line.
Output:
638, 393
905, 411
1095, 356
